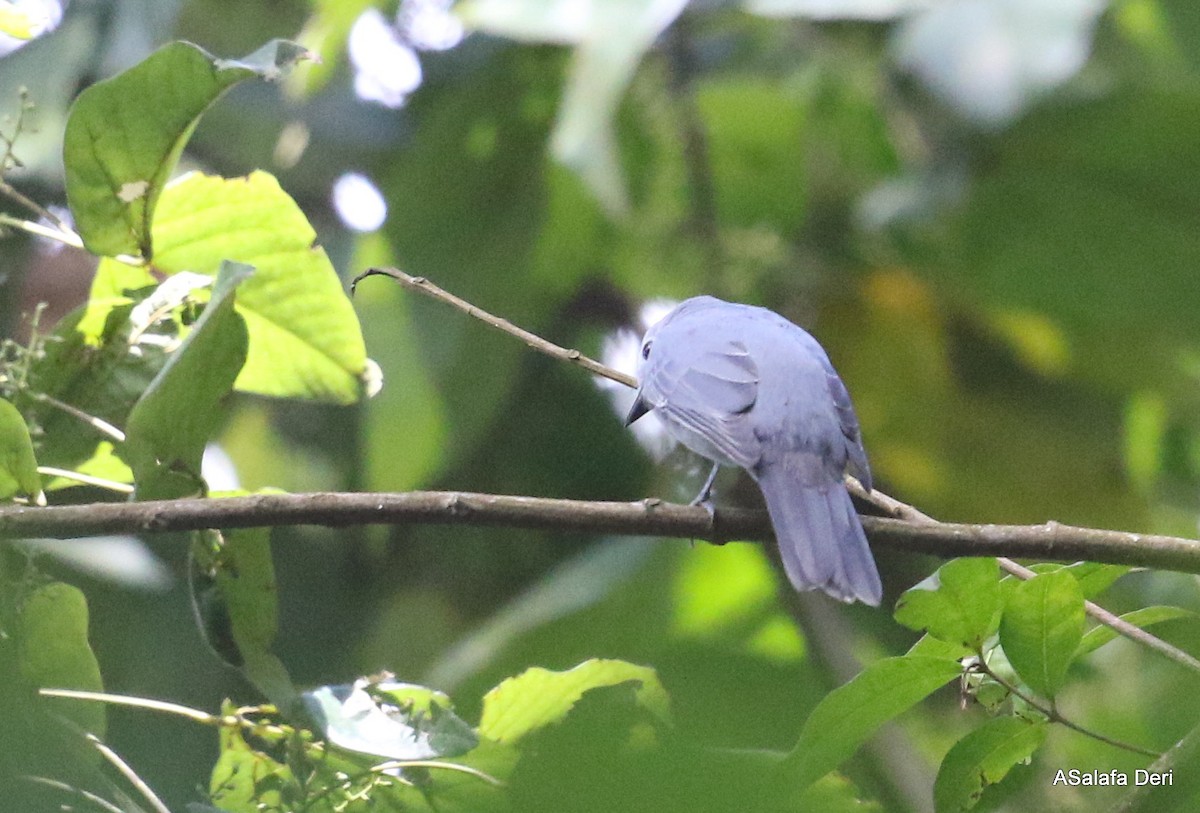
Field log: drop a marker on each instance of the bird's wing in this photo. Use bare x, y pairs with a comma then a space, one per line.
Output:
710, 392
848, 421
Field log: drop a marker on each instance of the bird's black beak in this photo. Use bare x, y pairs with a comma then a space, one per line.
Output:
638, 409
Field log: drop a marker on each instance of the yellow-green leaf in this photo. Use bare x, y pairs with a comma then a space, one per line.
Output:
305, 339
539, 697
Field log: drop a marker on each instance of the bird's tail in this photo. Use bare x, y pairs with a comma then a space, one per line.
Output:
821, 539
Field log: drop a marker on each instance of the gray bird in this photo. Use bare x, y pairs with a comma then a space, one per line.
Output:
745, 387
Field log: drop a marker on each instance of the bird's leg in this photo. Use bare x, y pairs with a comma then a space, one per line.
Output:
705, 495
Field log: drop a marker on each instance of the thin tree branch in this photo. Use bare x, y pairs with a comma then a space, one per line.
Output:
1118, 624
1050, 541
66, 237
536, 342
129, 773
895, 508
1055, 716
99, 801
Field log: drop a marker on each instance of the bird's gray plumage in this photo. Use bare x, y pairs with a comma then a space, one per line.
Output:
745, 387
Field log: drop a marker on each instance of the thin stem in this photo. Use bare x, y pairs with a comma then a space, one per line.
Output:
130, 775
532, 340
87, 479
1053, 715
10, 159
1118, 624
65, 236
901, 510
438, 764
98, 801
99, 424
195, 715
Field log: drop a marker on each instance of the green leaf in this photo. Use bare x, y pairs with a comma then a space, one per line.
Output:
1100, 635
305, 340
244, 780
1093, 577
236, 600
539, 697
54, 652
101, 359
960, 604
934, 647
18, 466
115, 281
103, 464
176, 415
125, 134
982, 758
849, 714
1041, 629
833, 793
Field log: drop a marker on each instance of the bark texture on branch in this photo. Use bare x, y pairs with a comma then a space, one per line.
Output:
1050, 541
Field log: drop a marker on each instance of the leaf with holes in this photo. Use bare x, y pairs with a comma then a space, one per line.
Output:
983, 758
960, 604
124, 136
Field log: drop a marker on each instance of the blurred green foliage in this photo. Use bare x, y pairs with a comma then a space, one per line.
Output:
1011, 303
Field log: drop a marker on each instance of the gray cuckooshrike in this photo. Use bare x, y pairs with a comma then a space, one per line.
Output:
742, 386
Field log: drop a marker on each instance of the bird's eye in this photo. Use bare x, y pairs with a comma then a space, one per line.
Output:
646, 350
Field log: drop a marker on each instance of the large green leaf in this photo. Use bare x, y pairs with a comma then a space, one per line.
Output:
305, 340
54, 653
177, 414
236, 601
125, 134
959, 605
982, 758
539, 697
849, 714
18, 466
1041, 629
